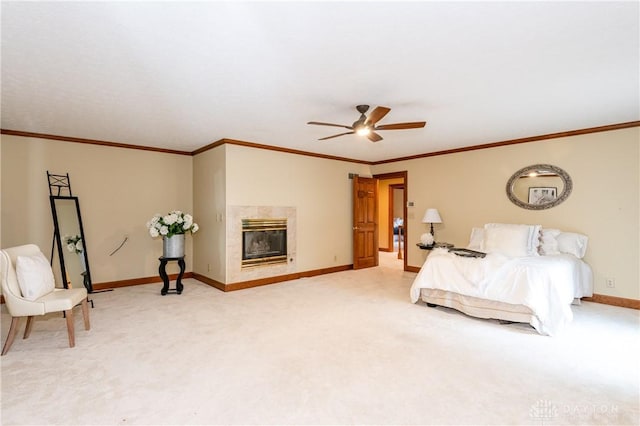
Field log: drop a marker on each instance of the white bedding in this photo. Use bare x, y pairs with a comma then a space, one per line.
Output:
545, 284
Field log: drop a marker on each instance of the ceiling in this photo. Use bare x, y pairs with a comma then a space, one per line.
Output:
181, 75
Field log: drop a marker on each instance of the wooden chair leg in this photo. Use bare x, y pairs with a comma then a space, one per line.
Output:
27, 329
70, 328
85, 314
13, 330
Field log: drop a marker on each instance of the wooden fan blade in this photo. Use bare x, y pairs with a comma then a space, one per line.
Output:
335, 136
402, 126
329, 124
374, 137
376, 115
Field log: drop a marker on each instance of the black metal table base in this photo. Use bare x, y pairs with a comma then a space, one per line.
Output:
165, 278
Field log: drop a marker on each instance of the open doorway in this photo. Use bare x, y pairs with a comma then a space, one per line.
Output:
392, 214
396, 215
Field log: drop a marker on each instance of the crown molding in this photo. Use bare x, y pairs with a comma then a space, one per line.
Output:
517, 141
90, 141
281, 149
224, 141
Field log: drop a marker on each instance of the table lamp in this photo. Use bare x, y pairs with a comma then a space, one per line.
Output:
432, 216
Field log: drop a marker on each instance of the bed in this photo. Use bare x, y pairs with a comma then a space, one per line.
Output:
528, 274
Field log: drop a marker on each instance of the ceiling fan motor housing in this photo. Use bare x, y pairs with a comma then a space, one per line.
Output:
362, 108
359, 122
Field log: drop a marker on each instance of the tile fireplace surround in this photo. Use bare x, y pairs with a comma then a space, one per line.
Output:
235, 272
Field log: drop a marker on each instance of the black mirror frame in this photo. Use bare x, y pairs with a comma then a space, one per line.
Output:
58, 239
568, 187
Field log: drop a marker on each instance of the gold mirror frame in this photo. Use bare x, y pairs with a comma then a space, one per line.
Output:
525, 172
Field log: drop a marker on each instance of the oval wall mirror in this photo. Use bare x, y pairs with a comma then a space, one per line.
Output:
539, 187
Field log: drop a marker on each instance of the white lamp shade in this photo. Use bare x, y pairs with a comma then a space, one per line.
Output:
431, 216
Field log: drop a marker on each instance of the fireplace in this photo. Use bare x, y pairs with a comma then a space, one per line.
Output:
264, 242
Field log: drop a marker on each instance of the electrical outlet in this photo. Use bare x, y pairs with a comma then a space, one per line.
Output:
208, 267
611, 283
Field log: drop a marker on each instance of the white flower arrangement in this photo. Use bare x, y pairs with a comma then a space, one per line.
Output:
427, 239
173, 223
74, 244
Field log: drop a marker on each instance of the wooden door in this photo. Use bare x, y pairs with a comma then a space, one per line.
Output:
365, 222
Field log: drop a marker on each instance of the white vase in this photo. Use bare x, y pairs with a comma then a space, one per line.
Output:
173, 246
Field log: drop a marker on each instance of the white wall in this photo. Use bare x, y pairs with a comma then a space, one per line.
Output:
468, 189
119, 191
209, 205
319, 189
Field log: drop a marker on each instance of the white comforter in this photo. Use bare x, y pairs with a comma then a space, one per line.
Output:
545, 284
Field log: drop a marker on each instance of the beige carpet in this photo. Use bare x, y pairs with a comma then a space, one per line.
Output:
345, 348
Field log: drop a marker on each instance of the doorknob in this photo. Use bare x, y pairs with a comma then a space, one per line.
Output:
355, 228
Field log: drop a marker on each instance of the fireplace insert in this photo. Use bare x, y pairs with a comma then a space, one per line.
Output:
264, 242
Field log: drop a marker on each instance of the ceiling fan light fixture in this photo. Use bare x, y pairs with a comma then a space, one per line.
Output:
367, 126
363, 131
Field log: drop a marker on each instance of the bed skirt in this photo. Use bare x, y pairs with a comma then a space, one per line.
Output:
480, 308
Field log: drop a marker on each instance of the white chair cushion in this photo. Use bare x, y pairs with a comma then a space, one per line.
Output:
63, 299
35, 276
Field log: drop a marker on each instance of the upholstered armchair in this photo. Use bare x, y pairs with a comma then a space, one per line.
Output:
29, 289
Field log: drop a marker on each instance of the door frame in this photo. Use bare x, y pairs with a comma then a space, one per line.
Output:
405, 176
392, 200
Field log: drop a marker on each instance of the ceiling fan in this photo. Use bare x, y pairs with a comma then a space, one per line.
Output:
366, 126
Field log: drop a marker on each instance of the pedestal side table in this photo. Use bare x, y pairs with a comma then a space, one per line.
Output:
165, 278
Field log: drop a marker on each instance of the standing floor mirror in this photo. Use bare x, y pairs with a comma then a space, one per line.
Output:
69, 234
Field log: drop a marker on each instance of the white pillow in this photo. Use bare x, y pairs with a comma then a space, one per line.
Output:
511, 239
35, 276
548, 241
571, 243
475, 239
